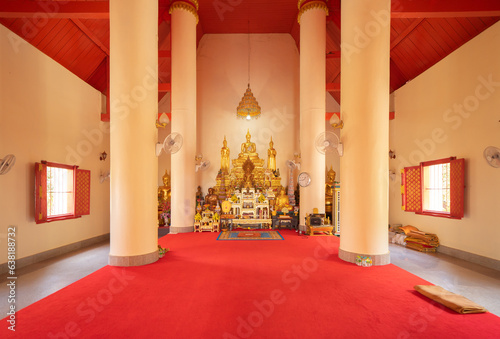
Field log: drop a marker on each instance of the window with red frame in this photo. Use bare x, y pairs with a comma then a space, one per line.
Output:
61, 192
434, 188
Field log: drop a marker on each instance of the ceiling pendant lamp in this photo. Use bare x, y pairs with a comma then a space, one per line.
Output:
249, 107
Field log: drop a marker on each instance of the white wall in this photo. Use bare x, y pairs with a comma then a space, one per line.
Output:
453, 110
47, 113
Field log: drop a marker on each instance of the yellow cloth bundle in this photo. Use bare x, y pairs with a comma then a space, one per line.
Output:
449, 299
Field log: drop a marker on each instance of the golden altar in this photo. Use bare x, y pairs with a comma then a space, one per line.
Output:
247, 172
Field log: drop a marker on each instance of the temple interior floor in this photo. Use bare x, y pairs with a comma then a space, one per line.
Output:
478, 283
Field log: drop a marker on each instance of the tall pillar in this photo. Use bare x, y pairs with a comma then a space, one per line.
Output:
364, 167
312, 19
184, 18
134, 107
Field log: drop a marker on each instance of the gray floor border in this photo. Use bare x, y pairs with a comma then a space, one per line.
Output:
55, 252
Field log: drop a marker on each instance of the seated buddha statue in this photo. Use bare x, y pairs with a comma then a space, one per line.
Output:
282, 201
248, 147
164, 191
330, 182
211, 199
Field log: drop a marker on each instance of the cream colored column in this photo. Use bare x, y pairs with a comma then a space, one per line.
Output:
364, 168
184, 18
134, 107
312, 19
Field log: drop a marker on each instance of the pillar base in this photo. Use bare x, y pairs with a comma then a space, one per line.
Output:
377, 259
133, 260
181, 229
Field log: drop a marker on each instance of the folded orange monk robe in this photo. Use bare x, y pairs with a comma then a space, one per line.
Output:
451, 300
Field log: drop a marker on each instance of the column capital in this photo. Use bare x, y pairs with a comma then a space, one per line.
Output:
305, 5
188, 5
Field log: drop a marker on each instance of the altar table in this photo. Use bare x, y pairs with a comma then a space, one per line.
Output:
249, 223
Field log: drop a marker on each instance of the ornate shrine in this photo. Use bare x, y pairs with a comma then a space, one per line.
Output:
247, 172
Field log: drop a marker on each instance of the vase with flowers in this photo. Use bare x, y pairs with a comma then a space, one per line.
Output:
165, 213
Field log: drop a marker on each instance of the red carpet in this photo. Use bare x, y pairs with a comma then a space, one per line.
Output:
203, 288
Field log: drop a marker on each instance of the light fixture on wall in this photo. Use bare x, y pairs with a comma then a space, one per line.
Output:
249, 107
392, 154
163, 120
103, 156
336, 122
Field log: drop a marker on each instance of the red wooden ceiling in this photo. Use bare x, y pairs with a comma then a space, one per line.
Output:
76, 33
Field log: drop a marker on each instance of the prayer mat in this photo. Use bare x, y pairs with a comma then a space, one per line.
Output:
250, 235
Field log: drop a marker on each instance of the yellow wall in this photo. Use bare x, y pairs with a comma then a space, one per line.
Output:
47, 113
453, 110
222, 81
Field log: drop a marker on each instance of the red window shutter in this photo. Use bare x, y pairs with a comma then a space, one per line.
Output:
40, 193
82, 192
412, 189
457, 186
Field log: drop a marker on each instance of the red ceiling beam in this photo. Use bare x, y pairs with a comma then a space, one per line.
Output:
333, 87
164, 54
164, 87
328, 115
333, 55
444, 9
55, 9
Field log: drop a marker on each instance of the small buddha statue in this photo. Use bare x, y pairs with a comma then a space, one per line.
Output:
329, 185
248, 146
282, 201
211, 199
199, 195
330, 182
248, 168
224, 157
271, 156
164, 191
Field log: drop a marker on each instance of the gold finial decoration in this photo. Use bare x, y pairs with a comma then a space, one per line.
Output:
190, 6
249, 107
311, 5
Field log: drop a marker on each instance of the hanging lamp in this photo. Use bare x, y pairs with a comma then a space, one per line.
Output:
249, 107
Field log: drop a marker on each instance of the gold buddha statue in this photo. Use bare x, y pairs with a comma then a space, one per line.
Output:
248, 147
224, 157
282, 201
329, 185
271, 156
248, 168
164, 191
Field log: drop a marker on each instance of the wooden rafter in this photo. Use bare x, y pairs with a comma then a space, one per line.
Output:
90, 35
405, 33
55, 9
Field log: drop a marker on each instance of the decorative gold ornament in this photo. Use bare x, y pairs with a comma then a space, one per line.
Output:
249, 107
311, 5
190, 7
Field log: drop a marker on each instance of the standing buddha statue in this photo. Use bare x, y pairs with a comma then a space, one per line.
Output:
224, 157
271, 156
329, 186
